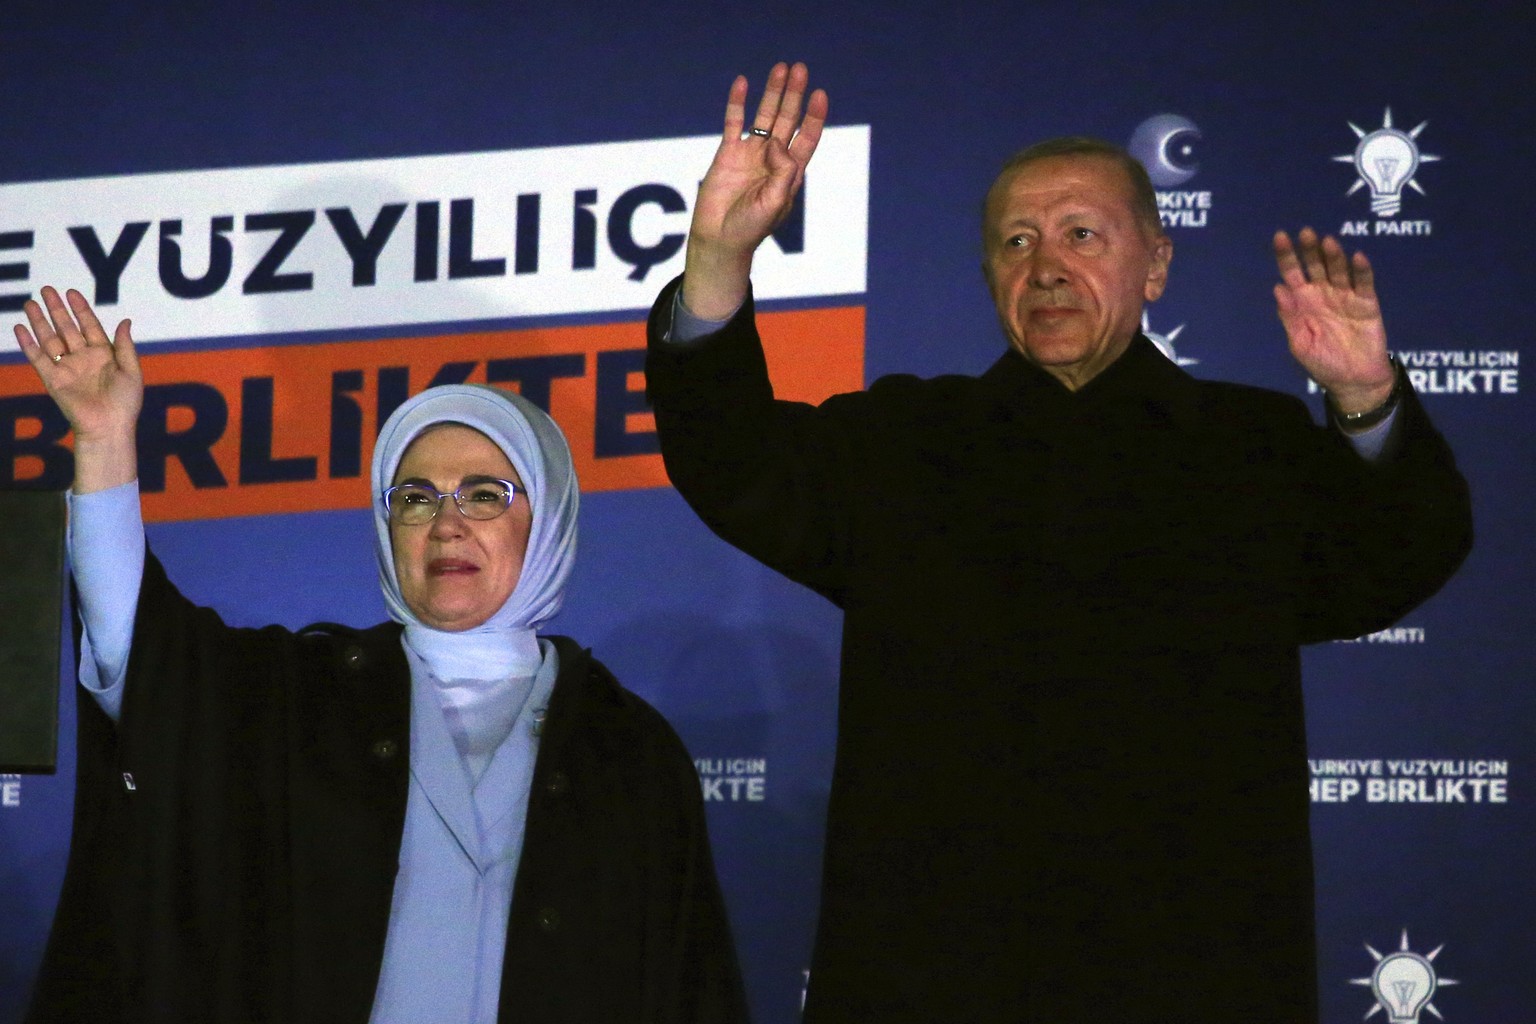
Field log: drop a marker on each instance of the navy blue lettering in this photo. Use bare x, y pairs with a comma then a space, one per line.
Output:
584, 231
346, 458
452, 373
621, 236
533, 374
428, 216
257, 466
18, 271
291, 227
394, 389
364, 249
395, 384
220, 258
107, 267
192, 446
615, 401
461, 244
526, 251
58, 461
790, 235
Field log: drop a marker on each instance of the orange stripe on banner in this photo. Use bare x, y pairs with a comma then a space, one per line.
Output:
290, 428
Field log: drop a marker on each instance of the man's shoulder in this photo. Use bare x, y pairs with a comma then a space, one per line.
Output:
904, 398
911, 383
1229, 401
906, 393
350, 648
902, 408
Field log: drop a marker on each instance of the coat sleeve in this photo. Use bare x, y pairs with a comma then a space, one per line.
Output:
167, 815
769, 477
1385, 535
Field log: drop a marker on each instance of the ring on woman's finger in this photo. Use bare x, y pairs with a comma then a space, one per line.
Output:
58, 357
761, 133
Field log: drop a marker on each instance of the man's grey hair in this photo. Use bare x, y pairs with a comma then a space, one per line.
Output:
1143, 196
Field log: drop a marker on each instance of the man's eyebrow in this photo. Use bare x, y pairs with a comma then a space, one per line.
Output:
1007, 228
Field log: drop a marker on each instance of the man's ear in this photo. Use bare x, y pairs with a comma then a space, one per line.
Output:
1157, 272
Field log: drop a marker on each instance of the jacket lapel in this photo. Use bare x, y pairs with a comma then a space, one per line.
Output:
439, 770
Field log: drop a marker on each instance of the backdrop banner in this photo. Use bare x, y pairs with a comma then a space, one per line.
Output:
310, 217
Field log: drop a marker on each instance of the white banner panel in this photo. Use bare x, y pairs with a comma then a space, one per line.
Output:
411, 240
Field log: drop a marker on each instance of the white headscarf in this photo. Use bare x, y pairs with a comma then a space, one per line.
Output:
538, 451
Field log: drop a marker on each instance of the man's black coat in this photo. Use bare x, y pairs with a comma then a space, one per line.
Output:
1070, 778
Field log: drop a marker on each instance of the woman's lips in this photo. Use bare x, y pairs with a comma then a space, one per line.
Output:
450, 567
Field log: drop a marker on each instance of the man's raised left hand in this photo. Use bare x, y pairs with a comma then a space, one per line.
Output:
1327, 303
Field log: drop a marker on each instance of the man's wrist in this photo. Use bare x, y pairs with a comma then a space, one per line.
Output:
1367, 414
715, 280
688, 327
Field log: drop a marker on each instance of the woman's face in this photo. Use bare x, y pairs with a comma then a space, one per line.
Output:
455, 572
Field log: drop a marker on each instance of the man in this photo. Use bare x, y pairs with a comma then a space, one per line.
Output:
1070, 764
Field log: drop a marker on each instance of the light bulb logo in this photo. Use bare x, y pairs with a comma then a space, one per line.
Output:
1386, 160
1403, 983
1164, 342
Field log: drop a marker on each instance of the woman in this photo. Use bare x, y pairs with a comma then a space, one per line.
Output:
443, 818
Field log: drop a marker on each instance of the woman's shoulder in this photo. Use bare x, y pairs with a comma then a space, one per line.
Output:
369, 641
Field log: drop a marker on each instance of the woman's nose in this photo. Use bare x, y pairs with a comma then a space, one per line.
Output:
449, 521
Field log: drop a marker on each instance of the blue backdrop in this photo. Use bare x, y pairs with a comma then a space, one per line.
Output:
743, 663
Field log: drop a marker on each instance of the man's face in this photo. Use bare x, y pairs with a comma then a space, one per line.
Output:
1069, 265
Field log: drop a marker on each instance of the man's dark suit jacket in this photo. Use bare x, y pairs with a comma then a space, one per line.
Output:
1070, 778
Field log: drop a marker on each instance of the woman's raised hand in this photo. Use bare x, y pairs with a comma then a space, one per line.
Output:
95, 380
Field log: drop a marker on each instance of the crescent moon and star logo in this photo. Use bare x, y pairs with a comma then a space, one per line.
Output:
1168, 147
1165, 144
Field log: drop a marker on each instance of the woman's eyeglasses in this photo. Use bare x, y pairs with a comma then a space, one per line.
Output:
414, 504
